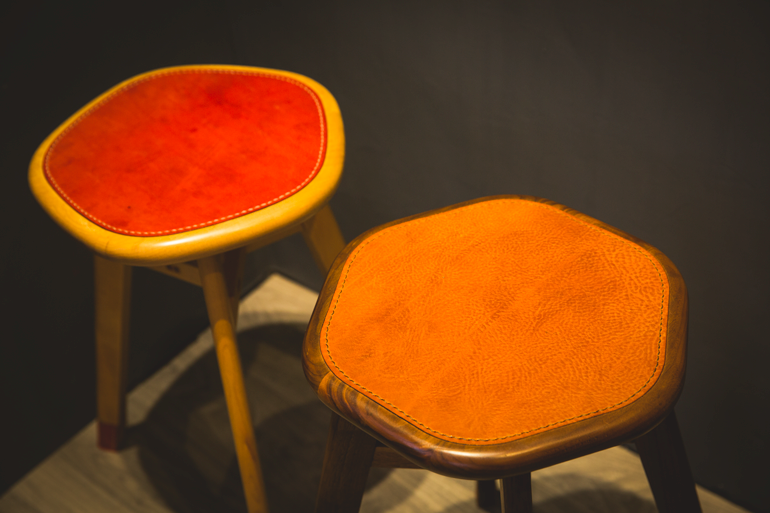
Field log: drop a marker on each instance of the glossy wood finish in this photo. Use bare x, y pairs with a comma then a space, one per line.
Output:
323, 237
211, 240
487, 495
232, 267
112, 282
324, 240
225, 273
349, 455
516, 494
212, 257
270, 238
668, 471
321, 233
524, 455
219, 305
513, 461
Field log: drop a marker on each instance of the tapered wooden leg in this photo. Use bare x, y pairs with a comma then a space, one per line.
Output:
234, 262
220, 311
113, 302
516, 494
668, 471
323, 237
349, 454
487, 496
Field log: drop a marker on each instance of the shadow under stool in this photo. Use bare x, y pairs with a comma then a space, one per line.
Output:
185, 170
494, 338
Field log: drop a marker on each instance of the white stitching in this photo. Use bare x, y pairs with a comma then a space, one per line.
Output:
487, 203
100, 222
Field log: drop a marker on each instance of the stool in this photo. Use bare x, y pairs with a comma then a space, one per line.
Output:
494, 338
184, 170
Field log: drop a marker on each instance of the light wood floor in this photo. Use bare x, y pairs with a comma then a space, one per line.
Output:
180, 457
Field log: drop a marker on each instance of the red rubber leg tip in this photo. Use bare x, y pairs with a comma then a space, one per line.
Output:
108, 436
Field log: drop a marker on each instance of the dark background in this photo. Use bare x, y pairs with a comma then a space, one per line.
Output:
653, 116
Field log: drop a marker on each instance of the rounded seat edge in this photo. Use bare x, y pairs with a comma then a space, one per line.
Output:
513, 457
283, 216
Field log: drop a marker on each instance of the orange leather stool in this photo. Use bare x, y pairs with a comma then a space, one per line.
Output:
185, 170
494, 338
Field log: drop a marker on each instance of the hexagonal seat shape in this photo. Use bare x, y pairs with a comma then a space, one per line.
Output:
494, 338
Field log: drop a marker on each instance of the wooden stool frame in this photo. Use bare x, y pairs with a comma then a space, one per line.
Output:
364, 433
211, 257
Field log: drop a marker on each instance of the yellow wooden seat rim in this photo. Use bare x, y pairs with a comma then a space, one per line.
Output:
278, 219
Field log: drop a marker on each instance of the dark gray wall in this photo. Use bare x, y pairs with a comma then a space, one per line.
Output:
652, 116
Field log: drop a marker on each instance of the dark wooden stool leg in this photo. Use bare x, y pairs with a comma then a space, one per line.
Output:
220, 311
668, 471
516, 494
487, 496
349, 454
113, 299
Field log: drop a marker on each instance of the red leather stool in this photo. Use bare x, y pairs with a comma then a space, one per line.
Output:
494, 338
184, 170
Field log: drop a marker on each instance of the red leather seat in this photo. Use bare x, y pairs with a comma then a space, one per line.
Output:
186, 148
184, 170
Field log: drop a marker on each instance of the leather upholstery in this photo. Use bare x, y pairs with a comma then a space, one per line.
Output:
183, 149
497, 320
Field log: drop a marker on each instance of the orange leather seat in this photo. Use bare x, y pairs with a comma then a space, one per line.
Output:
496, 337
184, 170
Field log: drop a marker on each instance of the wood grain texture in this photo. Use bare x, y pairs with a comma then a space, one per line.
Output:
232, 266
516, 494
220, 309
281, 217
667, 468
524, 455
349, 455
220, 277
112, 282
323, 237
487, 495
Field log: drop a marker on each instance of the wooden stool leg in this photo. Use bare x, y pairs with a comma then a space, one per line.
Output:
668, 471
516, 494
349, 454
234, 262
487, 496
323, 237
220, 315
113, 302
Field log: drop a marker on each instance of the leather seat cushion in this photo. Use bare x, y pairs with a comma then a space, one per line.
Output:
185, 149
497, 320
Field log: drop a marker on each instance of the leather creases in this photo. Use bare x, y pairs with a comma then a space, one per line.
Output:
497, 320
184, 149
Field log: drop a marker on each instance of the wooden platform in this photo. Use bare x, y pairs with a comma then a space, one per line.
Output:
180, 456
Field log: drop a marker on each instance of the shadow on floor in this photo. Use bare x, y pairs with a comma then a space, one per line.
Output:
185, 445
580, 501
186, 450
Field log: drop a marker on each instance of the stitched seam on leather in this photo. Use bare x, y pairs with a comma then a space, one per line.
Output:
553, 424
90, 111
